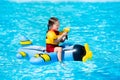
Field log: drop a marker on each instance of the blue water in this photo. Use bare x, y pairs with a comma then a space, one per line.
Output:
97, 24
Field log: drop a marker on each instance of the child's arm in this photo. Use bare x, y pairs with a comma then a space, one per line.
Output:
60, 37
63, 35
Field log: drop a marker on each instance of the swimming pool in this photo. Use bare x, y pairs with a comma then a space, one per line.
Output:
94, 23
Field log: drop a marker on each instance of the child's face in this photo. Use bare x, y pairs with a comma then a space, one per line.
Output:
55, 26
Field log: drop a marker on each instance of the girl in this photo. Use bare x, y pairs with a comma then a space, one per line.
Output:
54, 37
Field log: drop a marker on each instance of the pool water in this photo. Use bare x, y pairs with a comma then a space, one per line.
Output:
97, 24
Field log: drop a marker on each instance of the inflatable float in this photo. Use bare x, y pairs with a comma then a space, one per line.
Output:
37, 54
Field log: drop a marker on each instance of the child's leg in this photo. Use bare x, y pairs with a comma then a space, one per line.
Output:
59, 53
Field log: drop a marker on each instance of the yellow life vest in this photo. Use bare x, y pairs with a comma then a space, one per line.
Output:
51, 36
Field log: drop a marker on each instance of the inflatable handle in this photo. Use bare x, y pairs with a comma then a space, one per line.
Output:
44, 56
67, 29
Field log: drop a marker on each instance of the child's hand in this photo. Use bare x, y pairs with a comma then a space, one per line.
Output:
67, 29
64, 33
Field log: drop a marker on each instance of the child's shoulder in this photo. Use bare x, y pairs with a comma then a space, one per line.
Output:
50, 32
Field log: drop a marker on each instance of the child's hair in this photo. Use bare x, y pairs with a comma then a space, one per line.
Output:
52, 21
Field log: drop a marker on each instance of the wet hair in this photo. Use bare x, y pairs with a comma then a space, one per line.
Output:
52, 21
